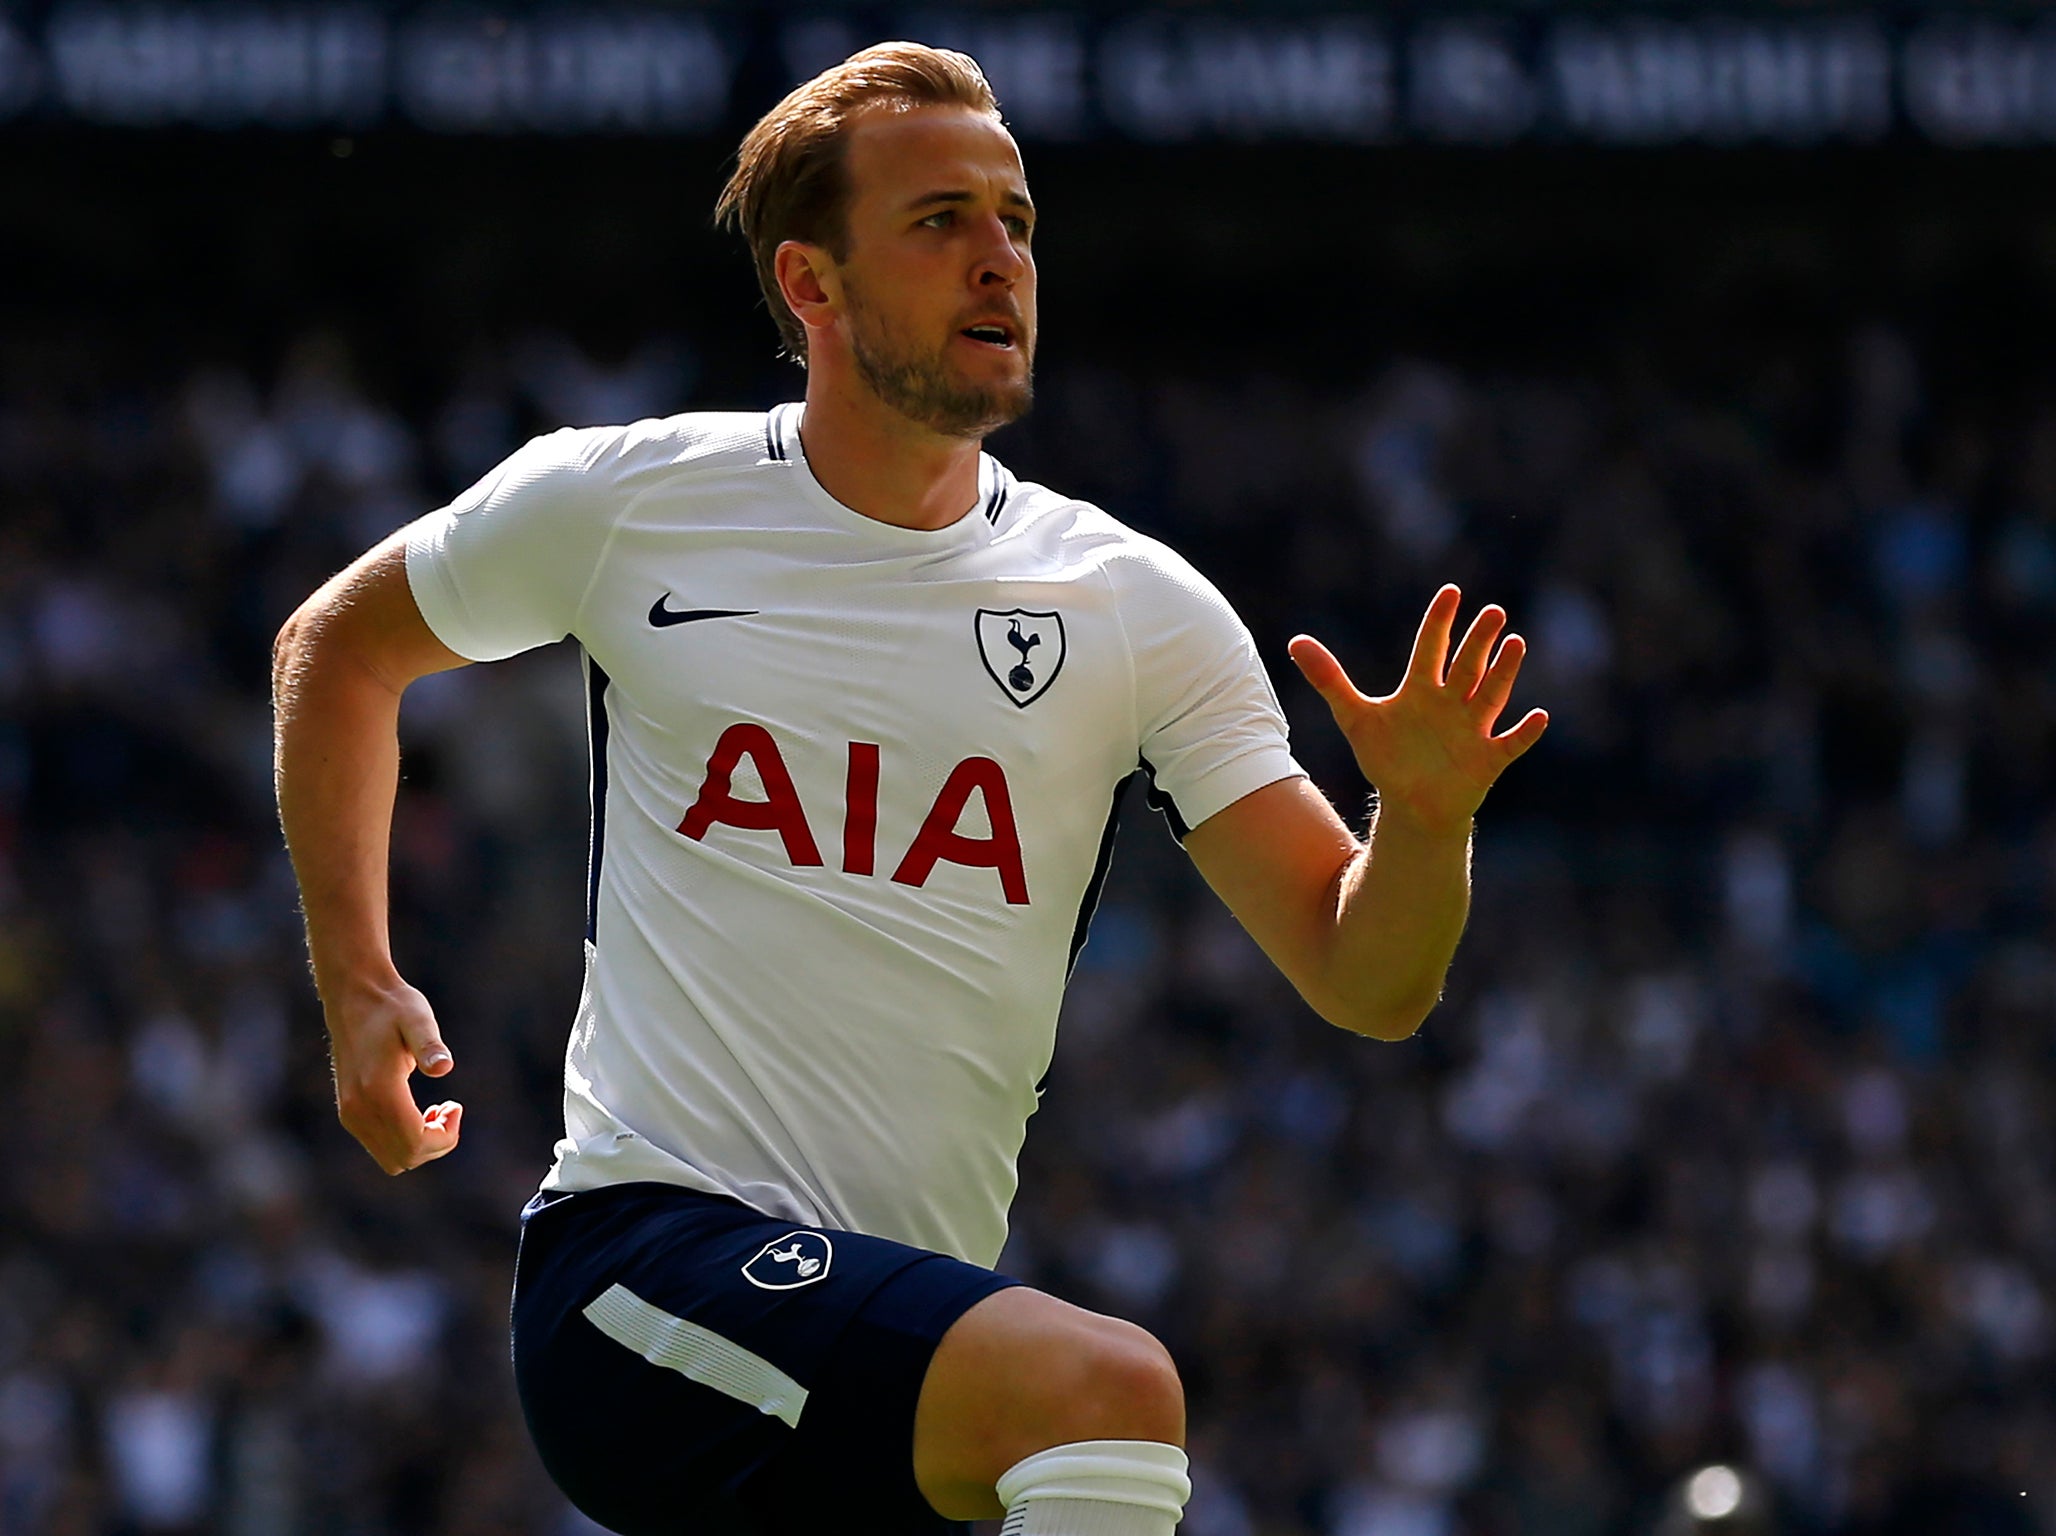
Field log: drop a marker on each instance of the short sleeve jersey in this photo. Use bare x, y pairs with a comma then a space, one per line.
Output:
853, 794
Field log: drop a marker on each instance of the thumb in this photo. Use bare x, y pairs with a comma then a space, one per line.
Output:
425, 1041
1317, 664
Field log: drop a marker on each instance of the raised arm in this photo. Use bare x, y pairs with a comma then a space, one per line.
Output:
1366, 930
338, 669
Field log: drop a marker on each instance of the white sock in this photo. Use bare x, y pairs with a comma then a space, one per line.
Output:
1096, 1488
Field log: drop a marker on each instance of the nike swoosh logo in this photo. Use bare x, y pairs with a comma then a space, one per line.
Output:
662, 617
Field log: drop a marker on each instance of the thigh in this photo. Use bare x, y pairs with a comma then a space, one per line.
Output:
673, 1351
854, 1450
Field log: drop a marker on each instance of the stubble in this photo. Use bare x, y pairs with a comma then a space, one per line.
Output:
922, 387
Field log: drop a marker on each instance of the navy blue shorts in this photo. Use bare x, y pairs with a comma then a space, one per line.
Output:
689, 1366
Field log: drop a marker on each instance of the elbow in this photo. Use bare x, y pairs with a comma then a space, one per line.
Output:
309, 637
289, 645
1382, 1019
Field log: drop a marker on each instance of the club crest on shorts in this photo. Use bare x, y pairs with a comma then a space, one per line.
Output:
794, 1260
1022, 651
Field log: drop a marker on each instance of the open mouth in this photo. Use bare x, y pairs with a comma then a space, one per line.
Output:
990, 335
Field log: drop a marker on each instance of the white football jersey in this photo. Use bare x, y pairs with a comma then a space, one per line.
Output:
853, 793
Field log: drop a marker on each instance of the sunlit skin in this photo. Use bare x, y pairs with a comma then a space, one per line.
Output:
898, 397
1430, 745
940, 226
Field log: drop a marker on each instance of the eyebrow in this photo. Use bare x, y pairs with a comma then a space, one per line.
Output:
1010, 198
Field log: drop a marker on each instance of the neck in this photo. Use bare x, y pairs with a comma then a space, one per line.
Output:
875, 461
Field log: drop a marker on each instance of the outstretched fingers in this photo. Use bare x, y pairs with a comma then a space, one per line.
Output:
1496, 686
1468, 666
1525, 735
1317, 664
1431, 643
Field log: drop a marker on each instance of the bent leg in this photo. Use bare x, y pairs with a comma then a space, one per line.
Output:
1021, 1373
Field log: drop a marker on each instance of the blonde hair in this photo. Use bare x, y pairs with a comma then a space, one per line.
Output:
791, 181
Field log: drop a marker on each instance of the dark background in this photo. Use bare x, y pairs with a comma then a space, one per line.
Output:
1731, 1139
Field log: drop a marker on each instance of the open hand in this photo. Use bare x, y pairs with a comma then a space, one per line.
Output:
377, 1041
1428, 747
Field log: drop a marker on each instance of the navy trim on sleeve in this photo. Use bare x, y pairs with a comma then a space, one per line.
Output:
596, 681
1097, 883
1160, 800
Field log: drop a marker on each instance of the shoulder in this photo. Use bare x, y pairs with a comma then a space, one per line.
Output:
587, 476
1134, 564
595, 472
690, 442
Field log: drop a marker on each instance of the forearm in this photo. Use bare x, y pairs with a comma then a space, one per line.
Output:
1366, 931
336, 769
1400, 910
338, 669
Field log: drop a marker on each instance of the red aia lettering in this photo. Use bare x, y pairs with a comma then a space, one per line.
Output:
939, 839
938, 842
860, 813
780, 811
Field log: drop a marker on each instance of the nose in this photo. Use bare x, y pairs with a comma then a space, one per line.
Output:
1001, 262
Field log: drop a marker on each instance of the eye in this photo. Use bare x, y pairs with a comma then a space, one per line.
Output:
1016, 225
941, 219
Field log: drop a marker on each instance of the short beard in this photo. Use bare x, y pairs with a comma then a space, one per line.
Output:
922, 390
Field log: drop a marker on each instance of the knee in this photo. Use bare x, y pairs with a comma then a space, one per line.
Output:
1023, 1372
1126, 1385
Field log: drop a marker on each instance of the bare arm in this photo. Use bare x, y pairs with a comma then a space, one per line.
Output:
1366, 931
339, 667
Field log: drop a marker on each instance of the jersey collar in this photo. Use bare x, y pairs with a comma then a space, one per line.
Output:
995, 485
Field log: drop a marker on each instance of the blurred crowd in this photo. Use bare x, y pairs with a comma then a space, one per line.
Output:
1731, 1142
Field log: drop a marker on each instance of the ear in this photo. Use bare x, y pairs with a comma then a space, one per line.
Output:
811, 286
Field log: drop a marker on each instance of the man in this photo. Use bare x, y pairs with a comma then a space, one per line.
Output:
862, 708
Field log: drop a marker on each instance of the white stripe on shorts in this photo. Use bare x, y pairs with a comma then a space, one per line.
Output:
696, 1353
